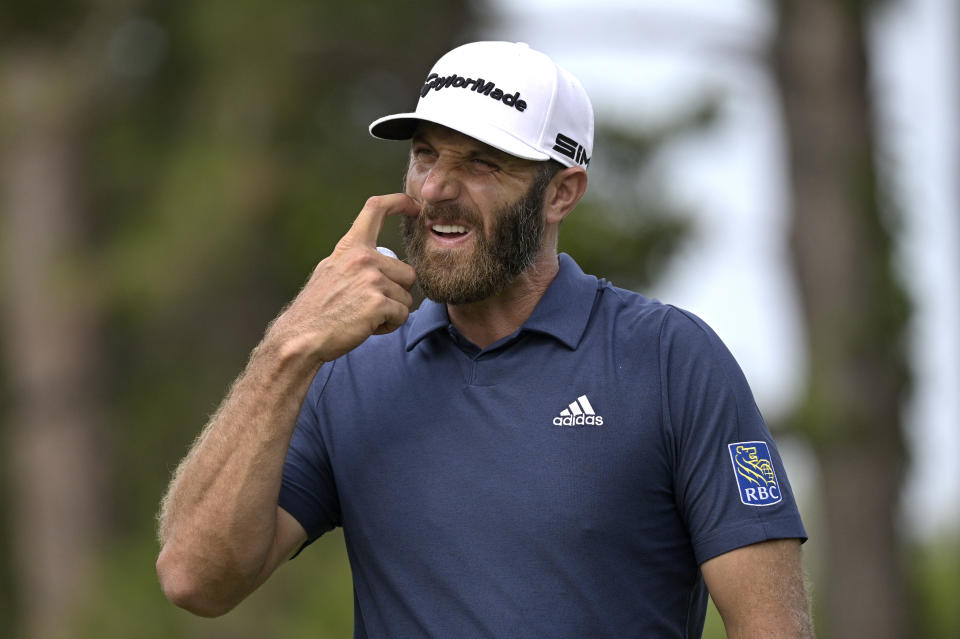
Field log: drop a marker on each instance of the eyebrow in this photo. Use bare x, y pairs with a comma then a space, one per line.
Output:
476, 147
477, 150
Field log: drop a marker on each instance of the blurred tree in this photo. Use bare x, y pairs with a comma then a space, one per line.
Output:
52, 338
855, 309
627, 228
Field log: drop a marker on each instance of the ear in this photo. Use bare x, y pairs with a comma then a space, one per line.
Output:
564, 191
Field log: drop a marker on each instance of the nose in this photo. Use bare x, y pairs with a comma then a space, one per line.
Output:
440, 185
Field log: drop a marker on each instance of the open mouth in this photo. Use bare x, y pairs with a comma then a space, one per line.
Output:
449, 231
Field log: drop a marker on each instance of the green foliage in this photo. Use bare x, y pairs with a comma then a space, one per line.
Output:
222, 178
713, 624
39, 19
935, 577
626, 227
309, 598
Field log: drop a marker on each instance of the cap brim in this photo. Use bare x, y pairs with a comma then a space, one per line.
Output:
402, 126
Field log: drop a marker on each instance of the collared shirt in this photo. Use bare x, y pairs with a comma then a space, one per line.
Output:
566, 481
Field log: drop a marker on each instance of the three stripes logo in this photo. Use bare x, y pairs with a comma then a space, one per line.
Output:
578, 413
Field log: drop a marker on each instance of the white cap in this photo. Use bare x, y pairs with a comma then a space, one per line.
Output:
506, 95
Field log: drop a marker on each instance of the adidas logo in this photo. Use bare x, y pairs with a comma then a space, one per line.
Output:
579, 413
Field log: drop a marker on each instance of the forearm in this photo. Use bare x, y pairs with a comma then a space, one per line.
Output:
220, 528
793, 621
217, 521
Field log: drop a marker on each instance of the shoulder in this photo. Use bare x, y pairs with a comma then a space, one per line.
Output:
621, 304
685, 337
685, 342
632, 311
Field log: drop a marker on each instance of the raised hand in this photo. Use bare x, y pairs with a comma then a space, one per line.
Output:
355, 292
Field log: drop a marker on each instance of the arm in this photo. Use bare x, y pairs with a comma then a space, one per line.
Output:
759, 591
221, 531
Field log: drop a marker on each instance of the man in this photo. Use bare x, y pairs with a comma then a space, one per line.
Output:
533, 453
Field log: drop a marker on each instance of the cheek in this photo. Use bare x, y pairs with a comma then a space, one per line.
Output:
488, 199
499, 197
411, 184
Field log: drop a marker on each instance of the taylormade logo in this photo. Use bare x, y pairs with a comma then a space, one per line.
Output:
436, 82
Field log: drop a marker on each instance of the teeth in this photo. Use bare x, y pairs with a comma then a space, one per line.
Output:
449, 228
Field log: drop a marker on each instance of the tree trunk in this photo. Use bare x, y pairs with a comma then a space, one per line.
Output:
855, 315
51, 343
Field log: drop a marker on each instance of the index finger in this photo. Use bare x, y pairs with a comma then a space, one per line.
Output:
366, 228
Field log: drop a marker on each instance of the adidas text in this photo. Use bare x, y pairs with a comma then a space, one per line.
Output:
578, 420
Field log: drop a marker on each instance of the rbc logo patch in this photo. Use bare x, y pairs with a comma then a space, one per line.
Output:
753, 468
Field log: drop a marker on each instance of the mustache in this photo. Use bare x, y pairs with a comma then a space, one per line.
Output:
449, 213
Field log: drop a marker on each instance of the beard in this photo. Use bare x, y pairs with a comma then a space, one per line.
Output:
497, 258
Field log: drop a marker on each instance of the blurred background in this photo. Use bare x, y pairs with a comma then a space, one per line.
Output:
170, 173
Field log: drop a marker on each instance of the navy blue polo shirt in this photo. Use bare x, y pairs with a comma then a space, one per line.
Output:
566, 481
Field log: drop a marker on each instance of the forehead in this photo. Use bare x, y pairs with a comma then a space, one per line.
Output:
439, 135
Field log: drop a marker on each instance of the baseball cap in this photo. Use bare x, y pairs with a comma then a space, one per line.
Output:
507, 95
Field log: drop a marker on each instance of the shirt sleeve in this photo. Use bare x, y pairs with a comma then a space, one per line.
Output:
308, 491
730, 485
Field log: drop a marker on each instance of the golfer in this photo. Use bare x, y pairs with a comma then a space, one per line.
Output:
533, 452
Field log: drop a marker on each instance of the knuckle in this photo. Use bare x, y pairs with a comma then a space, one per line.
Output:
386, 306
360, 260
397, 314
321, 266
374, 202
370, 278
410, 274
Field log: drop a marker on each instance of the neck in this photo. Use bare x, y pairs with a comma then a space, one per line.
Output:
489, 320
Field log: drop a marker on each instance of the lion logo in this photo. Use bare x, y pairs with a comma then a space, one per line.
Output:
753, 469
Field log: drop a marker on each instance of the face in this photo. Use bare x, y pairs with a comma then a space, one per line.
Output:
481, 222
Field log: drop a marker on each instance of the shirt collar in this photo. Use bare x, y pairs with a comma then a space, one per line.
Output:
428, 317
562, 312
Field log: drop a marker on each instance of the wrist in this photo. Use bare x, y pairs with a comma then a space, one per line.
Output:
291, 352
